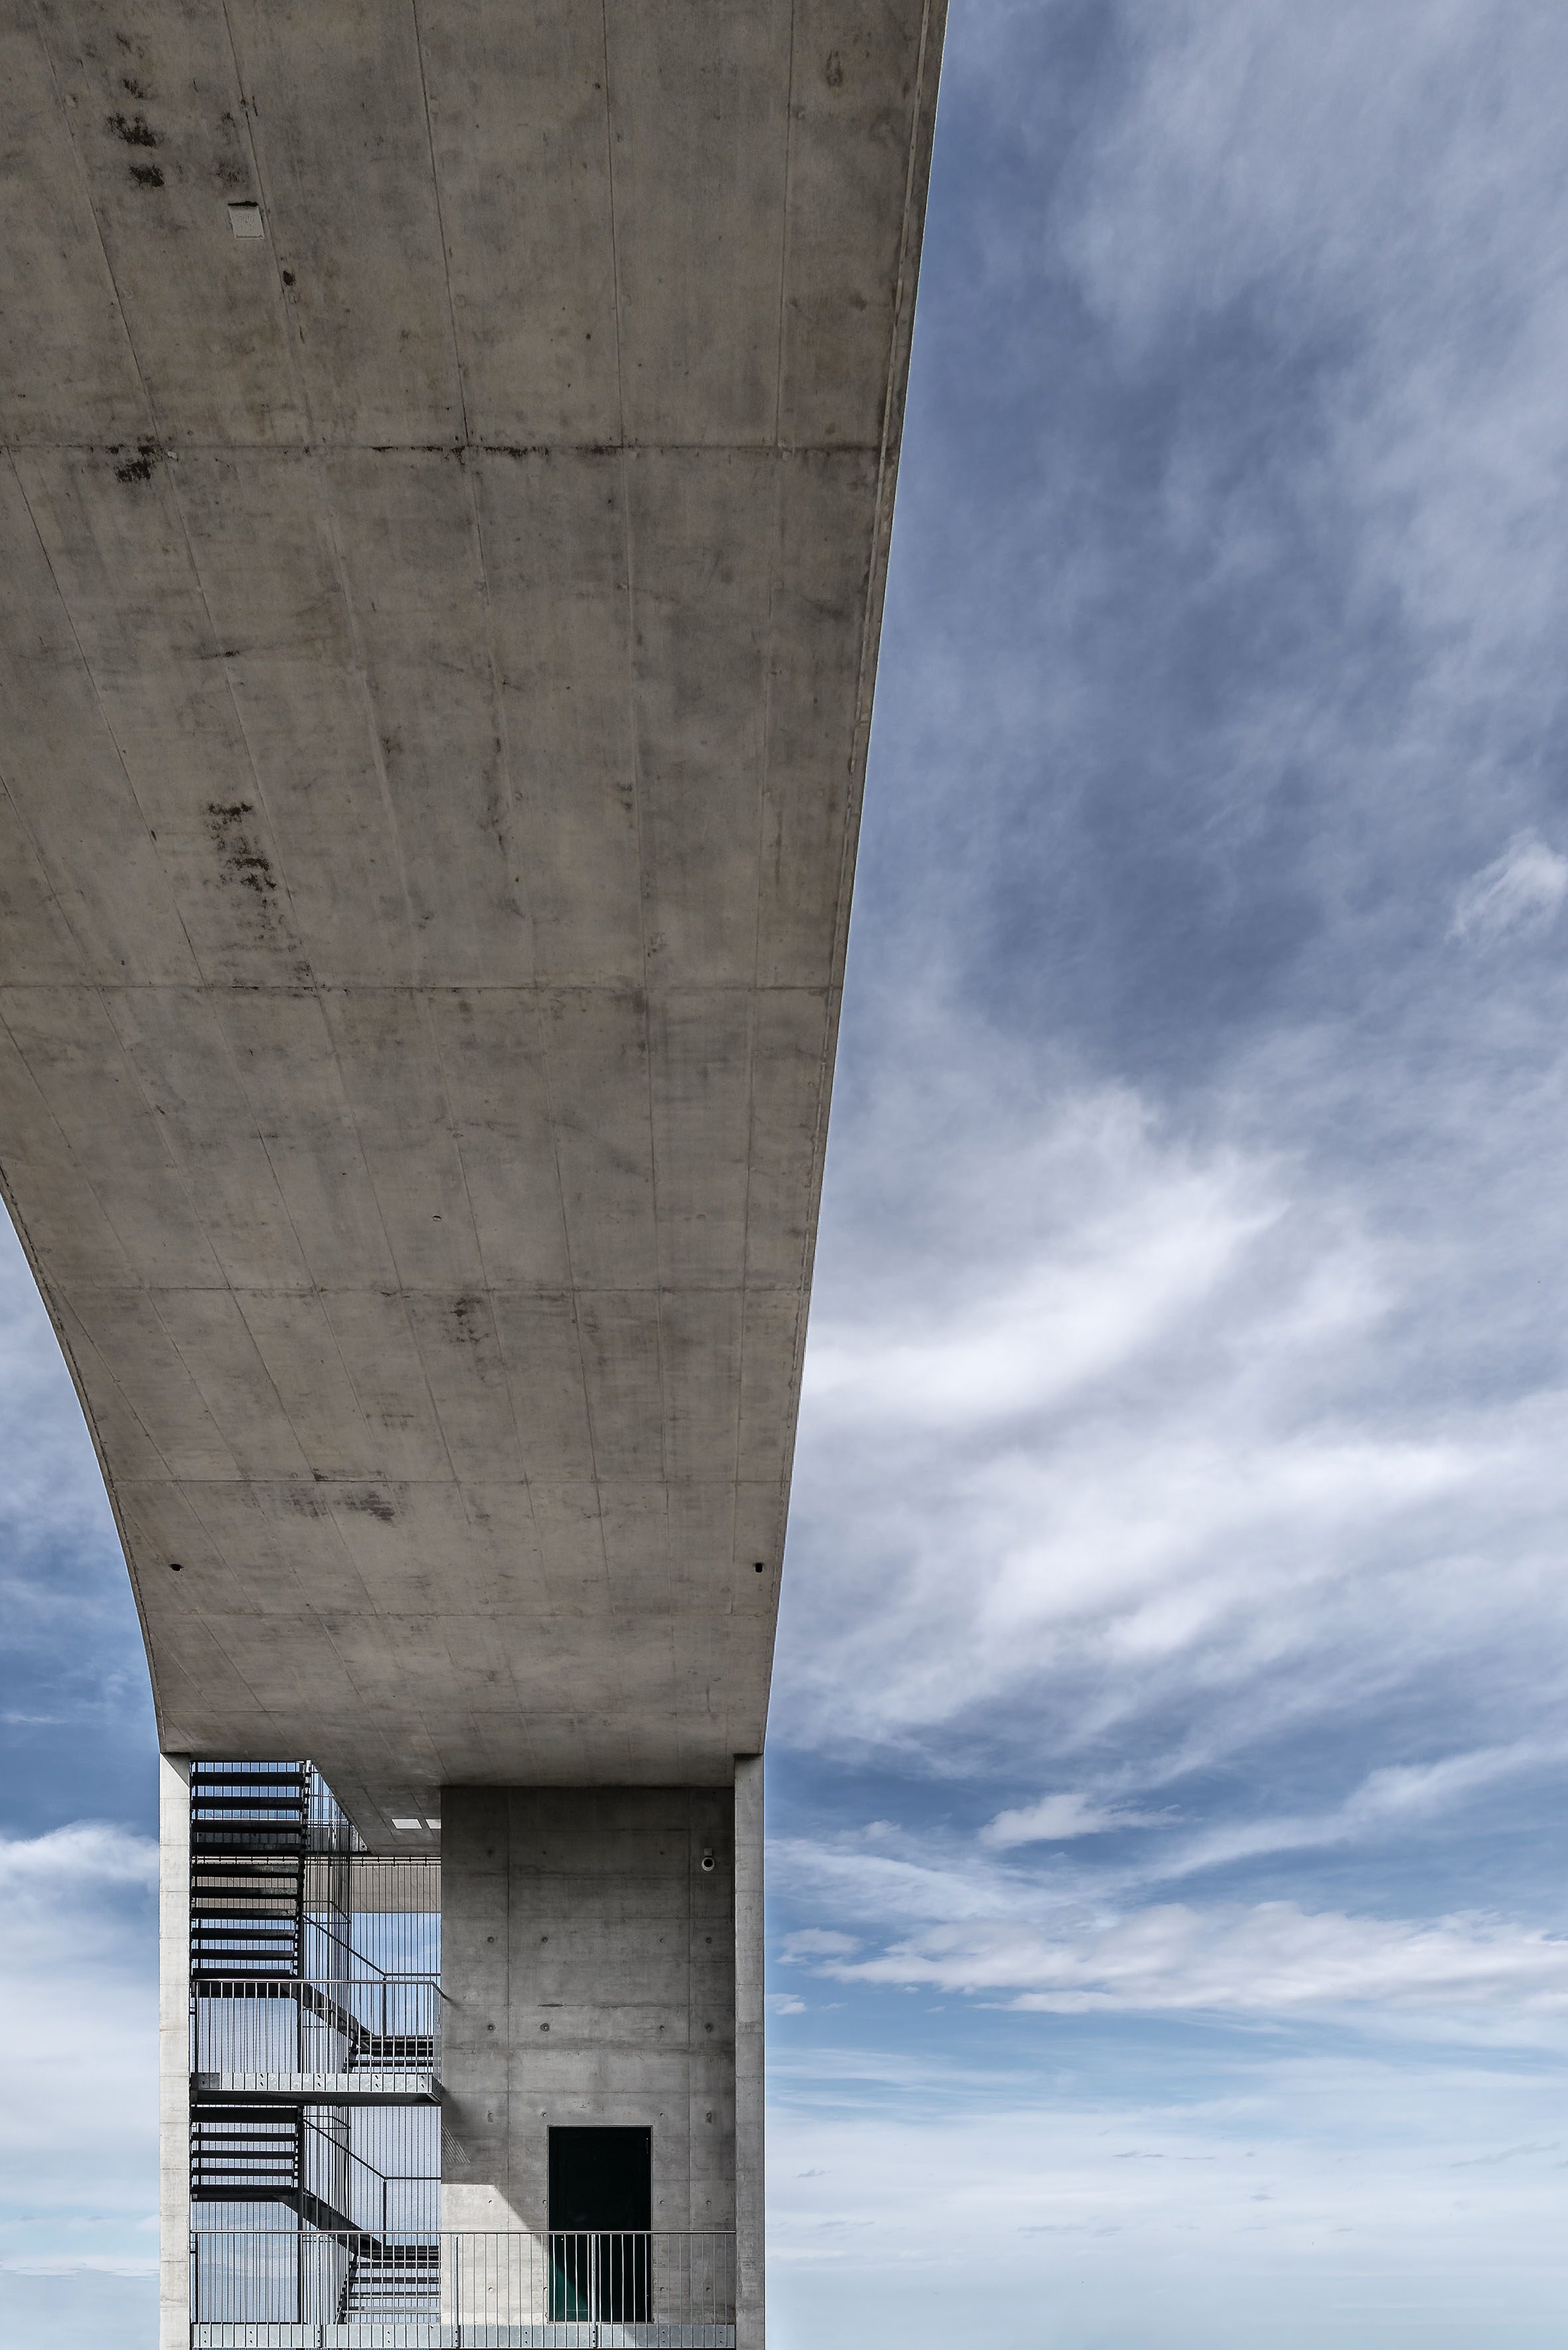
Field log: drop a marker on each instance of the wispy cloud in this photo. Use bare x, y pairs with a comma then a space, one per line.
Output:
819, 1942
1124, 1271
73, 1864
1390, 1803
938, 1911
1519, 891
67, 2264
1292, 2198
1237, 1496
1058, 1819
1389, 1800
50, 1488
78, 2120
1269, 1958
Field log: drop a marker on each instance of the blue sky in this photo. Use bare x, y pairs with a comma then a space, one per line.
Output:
1168, 1937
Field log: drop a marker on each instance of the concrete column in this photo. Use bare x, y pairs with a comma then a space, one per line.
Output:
751, 2084
173, 2053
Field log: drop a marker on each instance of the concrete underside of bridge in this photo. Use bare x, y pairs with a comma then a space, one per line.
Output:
450, 448
449, 460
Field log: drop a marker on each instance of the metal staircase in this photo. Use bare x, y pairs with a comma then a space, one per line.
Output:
390, 2281
369, 2051
249, 1838
300, 2025
248, 1843
247, 2154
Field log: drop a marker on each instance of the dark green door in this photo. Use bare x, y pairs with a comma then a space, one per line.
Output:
601, 2209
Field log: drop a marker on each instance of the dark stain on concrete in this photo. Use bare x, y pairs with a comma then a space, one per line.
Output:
244, 860
135, 132
374, 1505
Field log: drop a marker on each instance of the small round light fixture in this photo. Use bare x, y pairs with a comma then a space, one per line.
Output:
708, 1862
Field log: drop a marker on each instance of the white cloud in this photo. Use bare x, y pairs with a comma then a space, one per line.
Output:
1227, 1507
897, 1884
1065, 1320
67, 1624
1519, 892
1058, 1819
1382, 187
1305, 1497
64, 2264
1251, 150
1388, 1805
939, 1912
1270, 1957
818, 1942
1298, 2200
49, 1480
923, 1877
71, 1863
79, 1963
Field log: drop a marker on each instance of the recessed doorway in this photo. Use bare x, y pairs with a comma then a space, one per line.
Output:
601, 2210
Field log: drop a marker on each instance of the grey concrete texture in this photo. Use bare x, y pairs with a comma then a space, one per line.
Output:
173, 2053
437, 637
750, 2060
589, 1964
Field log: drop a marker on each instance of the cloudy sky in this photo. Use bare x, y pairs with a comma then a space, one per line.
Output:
1169, 1940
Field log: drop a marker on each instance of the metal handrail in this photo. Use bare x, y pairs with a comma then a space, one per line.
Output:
272, 2287
337, 1942
304, 2024
375, 2187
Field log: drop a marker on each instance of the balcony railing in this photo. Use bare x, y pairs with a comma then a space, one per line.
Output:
309, 2289
359, 2042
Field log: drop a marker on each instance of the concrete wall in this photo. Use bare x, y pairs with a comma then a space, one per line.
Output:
437, 640
173, 2053
750, 2058
589, 1962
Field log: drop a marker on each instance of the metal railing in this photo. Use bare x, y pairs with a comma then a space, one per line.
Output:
292, 2028
375, 1913
467, 2290
347, 2190
328, 1828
